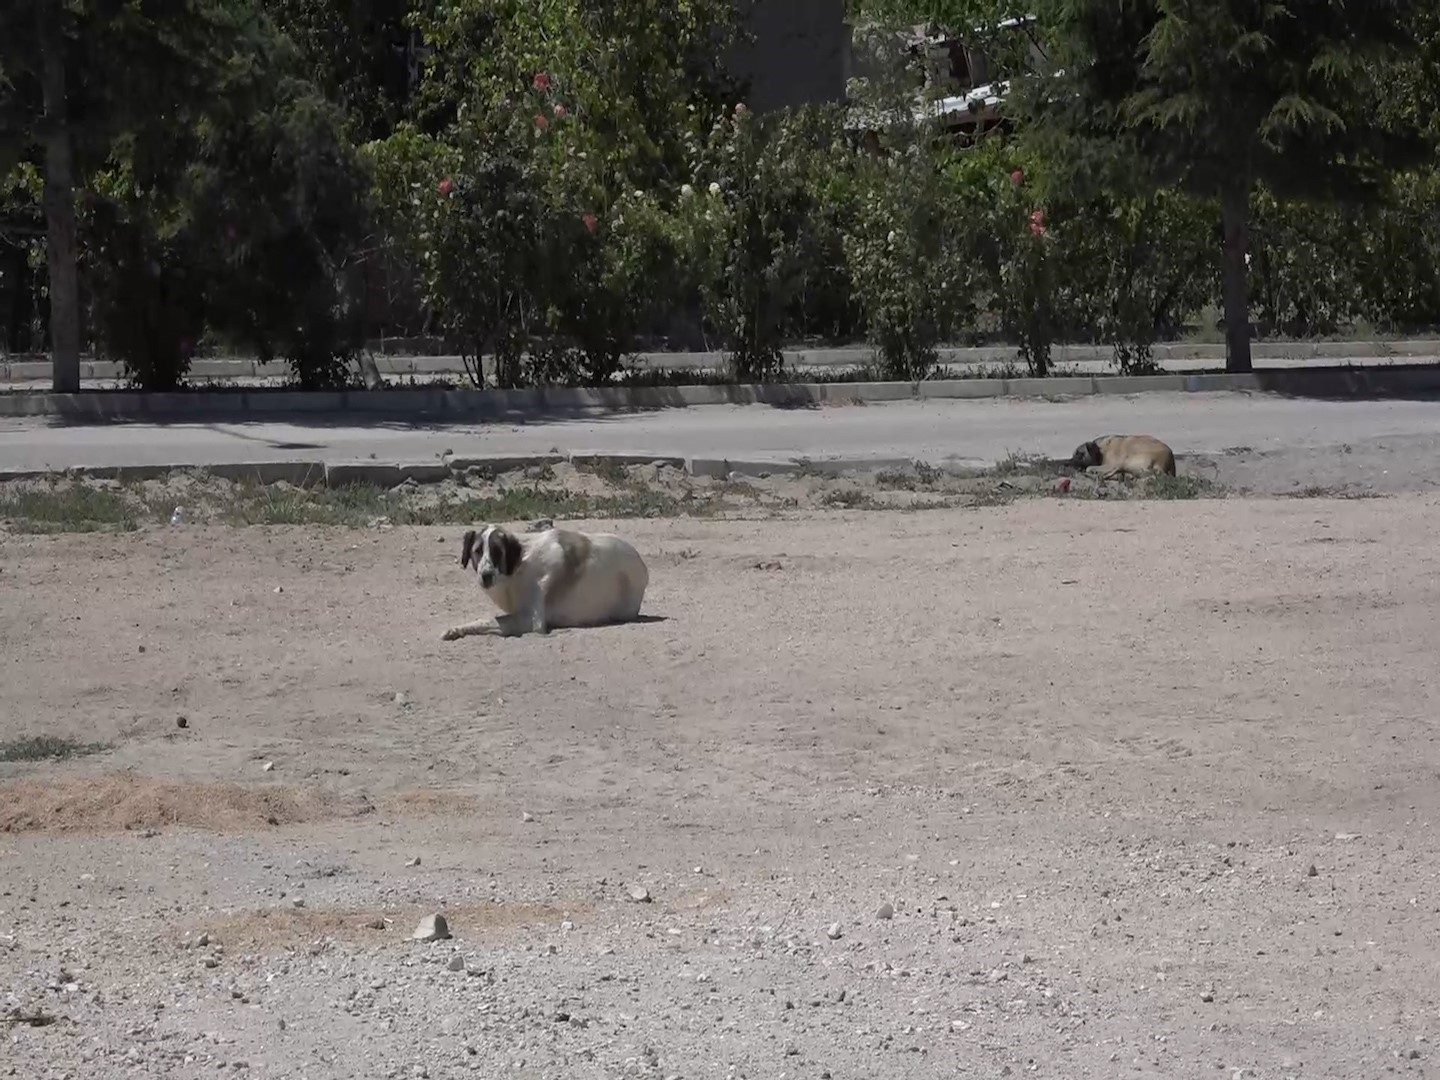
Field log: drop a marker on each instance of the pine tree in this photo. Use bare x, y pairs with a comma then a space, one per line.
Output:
1219, 96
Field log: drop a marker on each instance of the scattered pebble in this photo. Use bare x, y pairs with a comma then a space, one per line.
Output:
457, 963
835, 931
431, 928
279, 589
401, 699
181, 722
413, 862
1312, 872
527, 816
886, 911
640, 894
269, 766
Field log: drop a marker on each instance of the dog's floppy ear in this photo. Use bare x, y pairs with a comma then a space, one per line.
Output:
467, 549
508, 548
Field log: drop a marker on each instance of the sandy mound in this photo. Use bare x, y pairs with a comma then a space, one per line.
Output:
113, 803
297, 927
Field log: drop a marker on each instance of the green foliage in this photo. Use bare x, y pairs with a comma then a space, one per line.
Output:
22, 259
908, 230
218, 192
126, 65
1135, 268
468, 214
752, 222
282, 190
533, 188
359, 54
251, 234
560, 184
1217, 98
1399, 278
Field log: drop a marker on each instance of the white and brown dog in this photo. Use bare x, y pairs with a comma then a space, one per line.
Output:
1124, 455
557, 578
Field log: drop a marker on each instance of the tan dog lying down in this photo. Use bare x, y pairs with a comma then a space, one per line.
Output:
1124, 455
558, 578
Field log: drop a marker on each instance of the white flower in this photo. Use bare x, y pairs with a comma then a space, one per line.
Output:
686, 190
891, 238
714, 188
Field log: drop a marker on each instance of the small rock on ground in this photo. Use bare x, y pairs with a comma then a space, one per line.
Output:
431, 928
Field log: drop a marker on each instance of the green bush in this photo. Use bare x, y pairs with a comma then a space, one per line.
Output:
551, 184
247, 228
752, 224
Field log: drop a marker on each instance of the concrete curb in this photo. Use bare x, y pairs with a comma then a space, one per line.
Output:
30, 368
393, 473
479, 405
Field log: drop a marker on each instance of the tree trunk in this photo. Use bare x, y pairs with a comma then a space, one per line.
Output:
59, 198
1235, 218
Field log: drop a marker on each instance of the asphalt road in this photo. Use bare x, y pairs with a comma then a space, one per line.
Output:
1263, 441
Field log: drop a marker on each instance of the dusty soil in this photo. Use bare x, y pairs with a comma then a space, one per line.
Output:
61, 502
1151, 790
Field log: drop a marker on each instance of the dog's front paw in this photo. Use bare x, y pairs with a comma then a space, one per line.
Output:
453, 634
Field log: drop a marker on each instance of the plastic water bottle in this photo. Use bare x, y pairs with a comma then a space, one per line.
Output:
177, 516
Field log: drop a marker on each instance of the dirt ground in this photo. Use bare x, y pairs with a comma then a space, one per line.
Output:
1149, 789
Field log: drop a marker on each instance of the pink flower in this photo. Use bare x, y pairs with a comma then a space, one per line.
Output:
541, 122
541, 81
559, 110
446, 186
1037, 222
740, 109
591, 221
1017, 177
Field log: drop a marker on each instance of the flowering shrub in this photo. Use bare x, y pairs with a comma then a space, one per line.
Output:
467, 212
1012, 245
752, 224
560, 206
553, 243
911, 257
